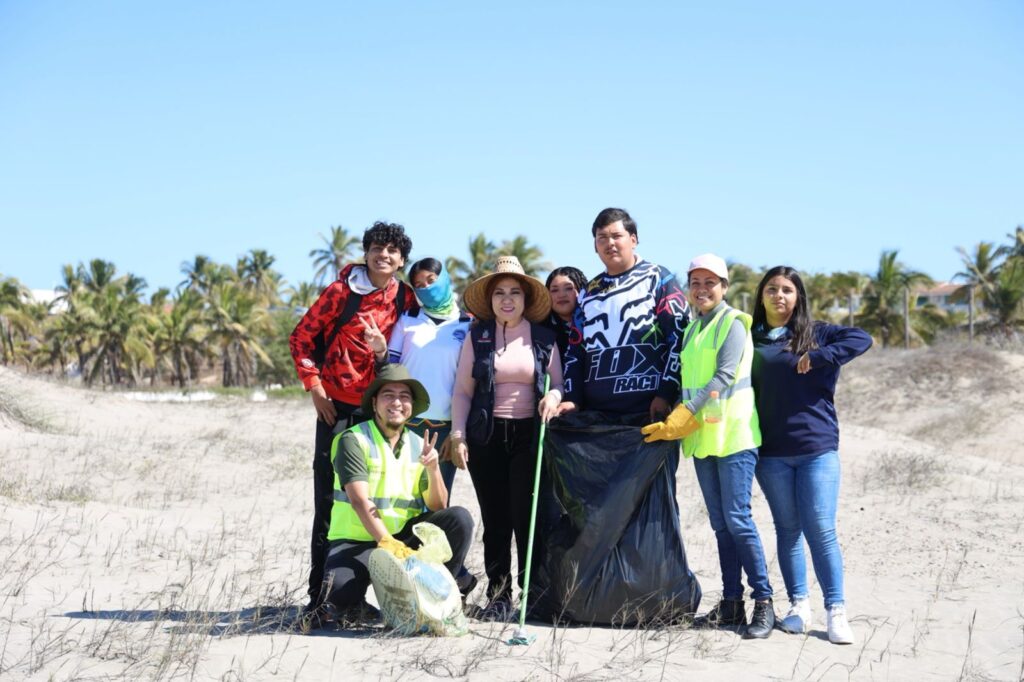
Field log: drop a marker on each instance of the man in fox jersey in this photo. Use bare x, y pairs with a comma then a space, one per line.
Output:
631, 318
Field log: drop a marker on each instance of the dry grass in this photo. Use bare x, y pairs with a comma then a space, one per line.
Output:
149, 541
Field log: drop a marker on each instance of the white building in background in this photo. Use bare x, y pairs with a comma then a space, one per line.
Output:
48, 296
949, 296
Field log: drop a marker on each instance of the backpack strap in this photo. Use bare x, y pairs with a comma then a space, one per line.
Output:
347, 313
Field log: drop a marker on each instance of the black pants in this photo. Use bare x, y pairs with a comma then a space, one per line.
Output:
347, 572
323, 492
502, 470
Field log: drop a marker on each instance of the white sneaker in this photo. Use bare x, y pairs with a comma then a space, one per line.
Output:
798, 619
839, 631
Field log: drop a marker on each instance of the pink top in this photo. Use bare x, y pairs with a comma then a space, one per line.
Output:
513, 376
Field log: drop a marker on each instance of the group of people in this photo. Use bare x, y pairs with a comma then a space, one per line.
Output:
411, 383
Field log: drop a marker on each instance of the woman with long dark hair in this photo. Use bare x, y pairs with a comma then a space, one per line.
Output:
796, 367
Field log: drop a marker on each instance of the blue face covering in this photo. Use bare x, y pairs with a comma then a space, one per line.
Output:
438, 299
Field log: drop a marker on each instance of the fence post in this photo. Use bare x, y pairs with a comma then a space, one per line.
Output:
970, 316
906, 317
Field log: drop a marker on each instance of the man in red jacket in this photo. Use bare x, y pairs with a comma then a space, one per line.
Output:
333, 349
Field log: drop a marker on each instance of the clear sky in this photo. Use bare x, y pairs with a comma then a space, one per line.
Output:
810, 133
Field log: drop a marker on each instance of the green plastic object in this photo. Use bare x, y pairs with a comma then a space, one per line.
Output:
520, 637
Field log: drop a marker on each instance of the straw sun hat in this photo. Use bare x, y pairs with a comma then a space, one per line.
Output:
539, 300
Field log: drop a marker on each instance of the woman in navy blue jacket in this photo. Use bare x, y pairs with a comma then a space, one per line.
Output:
796, 367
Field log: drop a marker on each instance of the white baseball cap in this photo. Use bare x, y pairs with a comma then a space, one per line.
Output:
709, 261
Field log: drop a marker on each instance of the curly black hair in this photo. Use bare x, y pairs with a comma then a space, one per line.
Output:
575, 275
387, 233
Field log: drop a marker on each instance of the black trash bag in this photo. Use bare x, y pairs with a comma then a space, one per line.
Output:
615, 555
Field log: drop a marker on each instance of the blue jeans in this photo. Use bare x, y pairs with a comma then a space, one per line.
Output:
803, 492
726, 483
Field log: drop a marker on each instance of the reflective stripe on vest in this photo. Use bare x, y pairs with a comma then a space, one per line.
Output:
394, 483
739, 429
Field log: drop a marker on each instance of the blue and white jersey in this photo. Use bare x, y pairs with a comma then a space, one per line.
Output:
631, 326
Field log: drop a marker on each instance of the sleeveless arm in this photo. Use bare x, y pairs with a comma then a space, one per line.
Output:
465, 384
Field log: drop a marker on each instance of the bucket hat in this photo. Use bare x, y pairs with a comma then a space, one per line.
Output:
396, 374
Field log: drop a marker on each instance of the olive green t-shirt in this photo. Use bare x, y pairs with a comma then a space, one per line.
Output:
350, 464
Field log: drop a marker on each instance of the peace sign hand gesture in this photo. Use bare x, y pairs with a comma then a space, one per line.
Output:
373, 336
428, 456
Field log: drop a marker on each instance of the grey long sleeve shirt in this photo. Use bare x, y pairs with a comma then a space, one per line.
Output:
729, 356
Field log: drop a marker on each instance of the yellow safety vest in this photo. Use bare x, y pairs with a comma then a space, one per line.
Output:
738, 430
394, 483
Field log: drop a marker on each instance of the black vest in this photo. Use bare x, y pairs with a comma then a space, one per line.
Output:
480, 423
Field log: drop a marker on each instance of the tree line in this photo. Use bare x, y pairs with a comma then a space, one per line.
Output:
235, 319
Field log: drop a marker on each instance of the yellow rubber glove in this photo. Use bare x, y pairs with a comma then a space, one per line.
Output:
680, 423
396, 547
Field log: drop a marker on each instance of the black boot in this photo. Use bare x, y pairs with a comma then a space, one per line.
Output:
727, 613
761, 621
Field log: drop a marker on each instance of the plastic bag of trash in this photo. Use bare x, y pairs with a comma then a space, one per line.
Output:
616, 554
418, 595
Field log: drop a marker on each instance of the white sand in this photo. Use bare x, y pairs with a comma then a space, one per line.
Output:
169, 540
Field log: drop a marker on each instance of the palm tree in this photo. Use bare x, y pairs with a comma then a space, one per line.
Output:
743, 281
98, 276
178, 335
980, 272
202, 274
256, 272
481, 261
15, 316
336, 252
114, 323
821, 295
883, 303
1015, 249
850, 285
302, 296
236, 320
530, 256
1005, 300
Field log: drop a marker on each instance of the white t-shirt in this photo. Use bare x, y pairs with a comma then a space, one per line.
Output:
430, 351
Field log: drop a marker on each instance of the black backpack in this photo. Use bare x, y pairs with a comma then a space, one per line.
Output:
321, 343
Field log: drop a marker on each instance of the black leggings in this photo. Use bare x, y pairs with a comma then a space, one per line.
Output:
502, 470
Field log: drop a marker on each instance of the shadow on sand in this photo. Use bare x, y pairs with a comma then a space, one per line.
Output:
255, 620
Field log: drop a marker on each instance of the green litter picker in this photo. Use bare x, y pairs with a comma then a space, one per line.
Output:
520, 637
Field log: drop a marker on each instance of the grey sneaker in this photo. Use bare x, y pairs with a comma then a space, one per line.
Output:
798, 619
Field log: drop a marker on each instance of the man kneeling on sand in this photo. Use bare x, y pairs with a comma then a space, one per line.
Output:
386, 480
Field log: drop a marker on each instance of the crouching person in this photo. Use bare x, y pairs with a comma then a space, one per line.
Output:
386, 480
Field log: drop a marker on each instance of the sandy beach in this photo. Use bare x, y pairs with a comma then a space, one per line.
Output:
168, 540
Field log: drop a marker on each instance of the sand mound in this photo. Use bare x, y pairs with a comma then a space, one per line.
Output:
963, 400
169, 540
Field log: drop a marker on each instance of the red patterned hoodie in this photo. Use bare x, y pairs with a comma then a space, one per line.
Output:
349, 365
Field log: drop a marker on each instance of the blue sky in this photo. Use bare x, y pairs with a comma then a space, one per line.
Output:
809, 133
